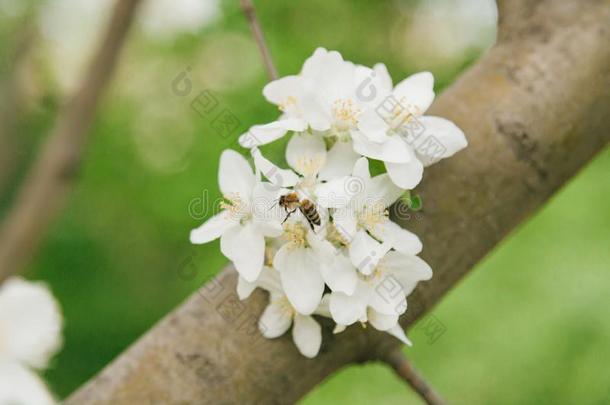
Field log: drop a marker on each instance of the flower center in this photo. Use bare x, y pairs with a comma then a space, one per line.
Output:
372, 215
289, 102
377, 272
235, 206
345, 114
295, 235
334, 236
401, 114
310, 166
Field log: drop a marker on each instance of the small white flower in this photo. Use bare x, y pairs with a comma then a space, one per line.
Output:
341, 115
319, 175
20, 385
303, 262
367, 213
322, 97
396, 132
279, 315
30, 326
30, 323
246, 218
380, 297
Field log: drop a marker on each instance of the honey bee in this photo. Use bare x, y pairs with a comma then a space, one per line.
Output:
290, 202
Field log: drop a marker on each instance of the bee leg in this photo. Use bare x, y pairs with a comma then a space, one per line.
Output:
288, 216
311, 226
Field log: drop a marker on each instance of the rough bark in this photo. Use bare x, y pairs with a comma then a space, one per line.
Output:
534, 109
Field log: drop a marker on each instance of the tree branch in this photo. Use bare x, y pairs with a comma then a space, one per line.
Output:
405, 370
249, 11
534, 110
52, 175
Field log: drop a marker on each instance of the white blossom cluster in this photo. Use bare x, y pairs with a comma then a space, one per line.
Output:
30, 334
354, 264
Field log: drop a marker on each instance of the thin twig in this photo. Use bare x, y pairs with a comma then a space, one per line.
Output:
13, 102
52, 175
248, 9
407, 372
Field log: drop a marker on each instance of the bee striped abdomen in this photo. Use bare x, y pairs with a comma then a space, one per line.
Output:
309, 211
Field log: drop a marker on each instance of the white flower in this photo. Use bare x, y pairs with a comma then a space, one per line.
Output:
367, 212
30, 323
167, 18
306, 262
341, 115
279, 315
30, 326
319, 175
322, 97
20, 385
380, 297
246, 218
396, 132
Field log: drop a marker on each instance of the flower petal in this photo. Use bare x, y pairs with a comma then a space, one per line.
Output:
333, 77
20, 385
399, 334
269, 280
324, 307
307, 335
373, 126
387, 296
300, 278
441, 138
31, 322
339, 161
383, 76
365, 252
278, 177
361, 170
263, 134
235, 176
392, 149
381, 321
382, 189
406, 175
339, 274
399, 238
347, 309
213, 228
283, 90
245, 288
337, 193
267, 215
408, 270
245, 247
416, 91
344, 221
275, 319
306, 153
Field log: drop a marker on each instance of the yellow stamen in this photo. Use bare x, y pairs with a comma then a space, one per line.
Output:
295, 234
290, 100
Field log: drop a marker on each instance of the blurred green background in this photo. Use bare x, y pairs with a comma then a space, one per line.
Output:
530, 325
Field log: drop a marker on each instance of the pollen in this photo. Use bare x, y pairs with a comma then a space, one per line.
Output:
295, 234
290, 101
372, 216
345, 114
234, 205
402, 114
